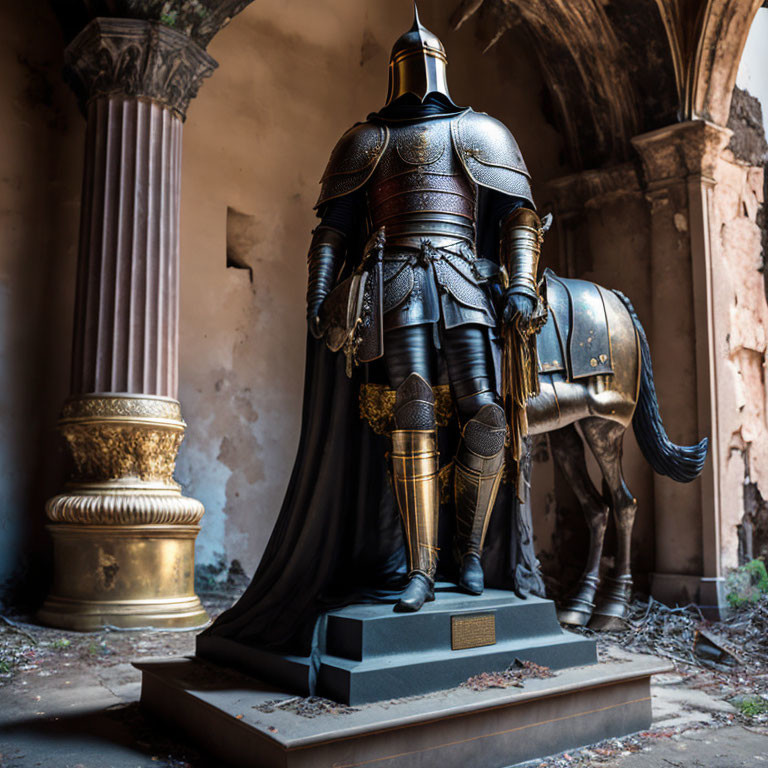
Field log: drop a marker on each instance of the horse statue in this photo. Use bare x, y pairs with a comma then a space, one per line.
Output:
595, 371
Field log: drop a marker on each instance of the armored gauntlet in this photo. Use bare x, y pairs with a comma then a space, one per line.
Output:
521, 236
326, 253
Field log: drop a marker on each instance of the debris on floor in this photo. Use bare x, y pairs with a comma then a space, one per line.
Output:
309, 706
512, 677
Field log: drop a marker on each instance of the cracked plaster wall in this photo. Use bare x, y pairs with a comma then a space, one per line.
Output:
742, 345
739, 259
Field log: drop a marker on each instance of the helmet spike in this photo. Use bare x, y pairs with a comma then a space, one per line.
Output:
416, 19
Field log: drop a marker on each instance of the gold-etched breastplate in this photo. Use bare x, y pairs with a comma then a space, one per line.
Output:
420, 190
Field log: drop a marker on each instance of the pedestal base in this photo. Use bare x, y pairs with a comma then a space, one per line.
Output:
93, 615
125, 576
370, 653
241, 721
123, 534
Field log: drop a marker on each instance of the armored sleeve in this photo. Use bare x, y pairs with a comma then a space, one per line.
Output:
326, 253
519, 250
338, 220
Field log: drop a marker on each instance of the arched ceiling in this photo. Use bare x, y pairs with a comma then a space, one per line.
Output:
614, 68
619, 68
199, 19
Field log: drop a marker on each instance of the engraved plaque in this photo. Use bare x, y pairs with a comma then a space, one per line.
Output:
473, 631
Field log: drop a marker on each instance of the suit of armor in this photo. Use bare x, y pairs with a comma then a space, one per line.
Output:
425, 174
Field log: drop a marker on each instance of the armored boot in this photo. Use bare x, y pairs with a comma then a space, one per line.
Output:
478, 468
414, 461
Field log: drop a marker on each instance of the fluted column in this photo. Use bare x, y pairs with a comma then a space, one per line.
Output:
123, 532
125, 334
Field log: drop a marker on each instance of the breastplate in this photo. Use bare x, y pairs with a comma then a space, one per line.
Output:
419, 189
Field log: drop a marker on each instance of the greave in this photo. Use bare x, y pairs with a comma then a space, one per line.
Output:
414, 472
414, 461
478, 468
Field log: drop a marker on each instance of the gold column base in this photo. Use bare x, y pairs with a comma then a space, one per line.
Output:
123, 535
123, 576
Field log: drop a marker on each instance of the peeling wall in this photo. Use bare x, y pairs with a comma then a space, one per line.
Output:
741, 348
741, 300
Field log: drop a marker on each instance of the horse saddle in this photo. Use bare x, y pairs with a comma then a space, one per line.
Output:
576, 339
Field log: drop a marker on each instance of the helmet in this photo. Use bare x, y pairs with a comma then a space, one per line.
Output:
417, 64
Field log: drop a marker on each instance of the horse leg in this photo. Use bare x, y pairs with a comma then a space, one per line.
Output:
568, 452
605, 438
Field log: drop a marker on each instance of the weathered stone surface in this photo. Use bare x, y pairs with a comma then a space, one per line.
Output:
746, 121
741, 348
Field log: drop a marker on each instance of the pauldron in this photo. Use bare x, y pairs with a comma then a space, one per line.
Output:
486, 149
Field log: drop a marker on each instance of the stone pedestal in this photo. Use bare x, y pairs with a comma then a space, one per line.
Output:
369, 653
241, 721
123, 533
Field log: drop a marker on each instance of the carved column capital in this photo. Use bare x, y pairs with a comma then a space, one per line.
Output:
136, 58
677, 152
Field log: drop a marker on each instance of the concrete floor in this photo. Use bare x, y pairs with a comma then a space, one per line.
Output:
69, 700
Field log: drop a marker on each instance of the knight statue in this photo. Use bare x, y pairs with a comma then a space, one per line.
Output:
446, 196
422, 307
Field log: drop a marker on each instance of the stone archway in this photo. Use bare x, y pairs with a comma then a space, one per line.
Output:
724, 28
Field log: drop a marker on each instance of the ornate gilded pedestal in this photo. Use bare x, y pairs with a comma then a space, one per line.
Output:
123, 534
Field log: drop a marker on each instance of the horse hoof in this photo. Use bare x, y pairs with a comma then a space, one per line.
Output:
573, 618
613, 604
577, 609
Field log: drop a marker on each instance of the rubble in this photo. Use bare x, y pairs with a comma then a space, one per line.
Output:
306, 706
726, 659
685, 637
512, 677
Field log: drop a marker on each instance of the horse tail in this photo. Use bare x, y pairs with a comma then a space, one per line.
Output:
682, 463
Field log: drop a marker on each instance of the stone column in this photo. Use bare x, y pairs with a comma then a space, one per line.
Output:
123, 534
679, 162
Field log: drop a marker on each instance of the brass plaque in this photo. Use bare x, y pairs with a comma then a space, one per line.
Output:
473, 631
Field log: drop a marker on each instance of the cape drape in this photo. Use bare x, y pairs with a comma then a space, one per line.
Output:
338, 539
